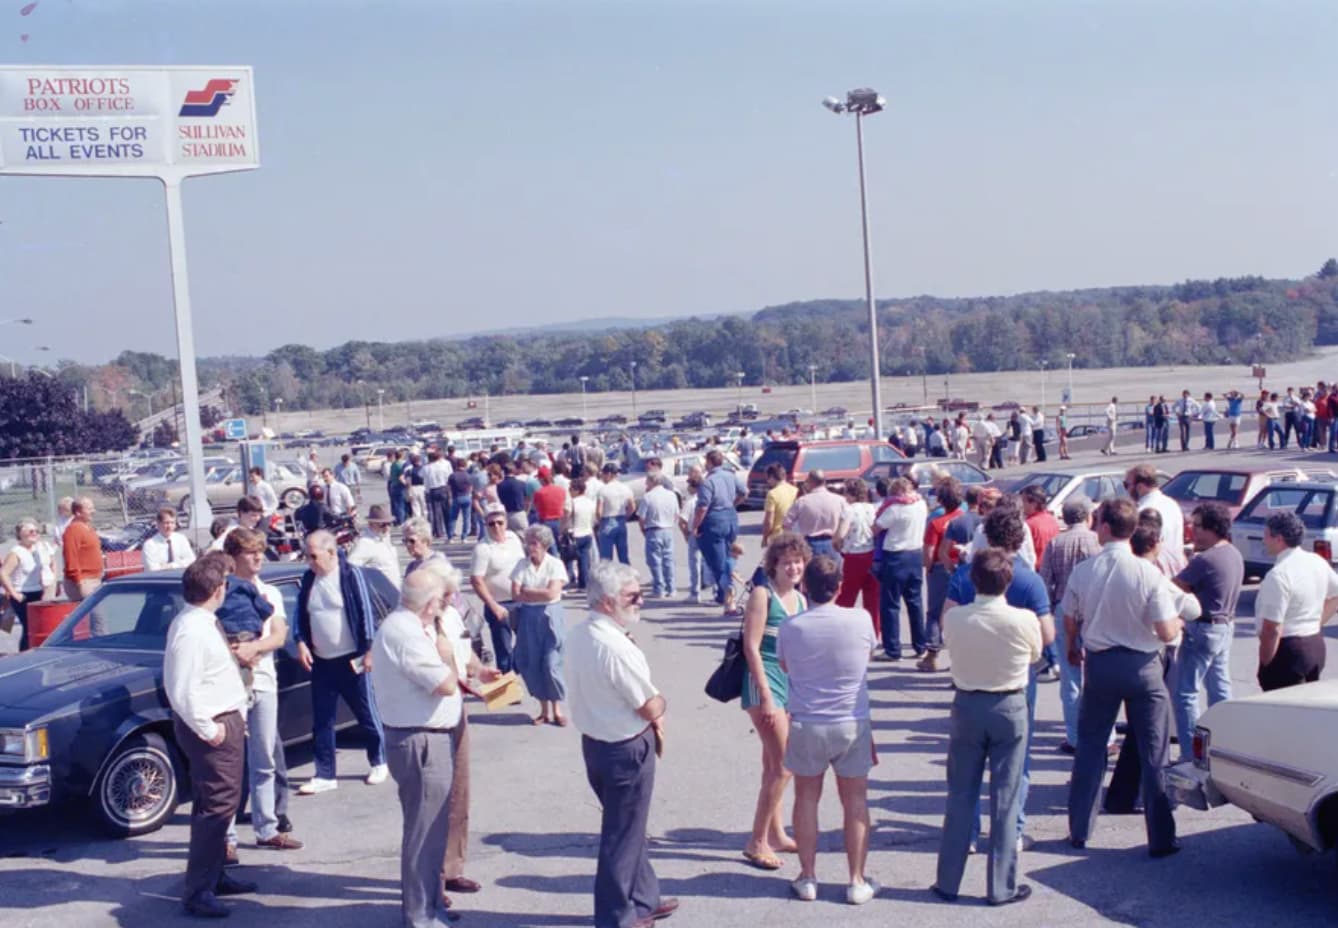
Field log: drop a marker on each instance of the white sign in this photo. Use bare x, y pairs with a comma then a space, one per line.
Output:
127, 122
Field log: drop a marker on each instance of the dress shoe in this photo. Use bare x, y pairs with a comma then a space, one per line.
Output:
206, 905
460, 884
668, 906
280, 842
1160, 852
943, 894
285, 824
230, 886
1022, 895
230, 856
1078, 844
1065, 747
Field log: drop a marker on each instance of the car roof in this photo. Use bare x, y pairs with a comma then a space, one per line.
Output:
268, 573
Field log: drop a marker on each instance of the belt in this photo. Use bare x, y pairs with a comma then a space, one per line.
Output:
992, 692
417, 730
827, 537
1212, 621
222, 715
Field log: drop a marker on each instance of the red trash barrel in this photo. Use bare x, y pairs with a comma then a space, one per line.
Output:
43, 617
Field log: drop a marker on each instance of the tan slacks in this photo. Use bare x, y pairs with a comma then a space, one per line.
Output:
457, 835
77, 590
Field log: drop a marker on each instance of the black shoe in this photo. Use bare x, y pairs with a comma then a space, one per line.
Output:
1158, 853
206, 905
1022, 895
230, 886
943, 894
243, 818
1078, 844
1122, 810
285, 824
1066, 748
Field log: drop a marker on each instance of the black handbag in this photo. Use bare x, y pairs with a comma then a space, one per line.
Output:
726, 681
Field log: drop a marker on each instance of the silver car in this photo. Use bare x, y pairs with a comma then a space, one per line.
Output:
1312, 501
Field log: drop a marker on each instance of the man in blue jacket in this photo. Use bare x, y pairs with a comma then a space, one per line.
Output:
334, 641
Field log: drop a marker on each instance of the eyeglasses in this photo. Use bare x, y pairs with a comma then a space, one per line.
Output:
634, 597
492, 522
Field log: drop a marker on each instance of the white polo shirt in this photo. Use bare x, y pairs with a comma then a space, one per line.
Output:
371, 550
1118, 599
904, 524
1293, 593
495, 561
1172, 519
608, 680
613, 497
200, 675
406, 670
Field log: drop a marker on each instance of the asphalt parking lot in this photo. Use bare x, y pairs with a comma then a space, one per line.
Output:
534, 824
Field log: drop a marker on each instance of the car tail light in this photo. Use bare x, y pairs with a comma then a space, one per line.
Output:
1202, 740
1324, 550
1189, 534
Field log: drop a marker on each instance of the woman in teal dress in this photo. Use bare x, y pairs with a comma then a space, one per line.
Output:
766, 690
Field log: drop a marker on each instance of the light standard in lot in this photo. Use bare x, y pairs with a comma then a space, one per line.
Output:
813, 388
147, 399
865, 102
924, 372
585, 413
1070, 356
633, 389
738, 396
1045, 366
381, 408
366, 407
278, 412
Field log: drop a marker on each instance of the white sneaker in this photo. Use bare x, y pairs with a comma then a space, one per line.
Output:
860, 893
377, 775
317, 785
805, 889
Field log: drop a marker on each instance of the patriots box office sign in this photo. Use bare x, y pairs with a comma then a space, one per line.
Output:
127, 121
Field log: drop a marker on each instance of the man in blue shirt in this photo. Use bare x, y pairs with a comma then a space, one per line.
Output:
717, 521
1003, 529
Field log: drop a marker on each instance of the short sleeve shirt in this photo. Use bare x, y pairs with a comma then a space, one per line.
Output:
1027, 591
1215, 576
1293, 593
608, 680
494, 561
531, 577
936, 530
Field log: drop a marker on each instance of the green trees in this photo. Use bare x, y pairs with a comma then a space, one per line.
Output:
39, 417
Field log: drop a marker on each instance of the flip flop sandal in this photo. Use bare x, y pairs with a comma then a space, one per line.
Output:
763, 861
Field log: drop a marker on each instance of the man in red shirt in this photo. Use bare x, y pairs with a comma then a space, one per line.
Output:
1042, 524
82, 551
549, 502
948, 495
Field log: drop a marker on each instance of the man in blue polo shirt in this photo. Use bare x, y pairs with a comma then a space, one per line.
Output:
1003, 529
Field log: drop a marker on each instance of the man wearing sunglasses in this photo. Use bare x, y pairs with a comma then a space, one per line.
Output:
495, 557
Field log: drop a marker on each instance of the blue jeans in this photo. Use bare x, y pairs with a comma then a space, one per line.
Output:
399, 509
1163, 436
901, 577
462, 510
1204, 658
503, 638
554, 526
1070, 683
612, 536
585, 546
699, 575
937, 587
332, 680
718, 531
823, 546
660, 560
1275, 433
1208, 443
1333, 436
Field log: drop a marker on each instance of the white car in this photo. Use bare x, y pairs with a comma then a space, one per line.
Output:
1275, 756
1097, 485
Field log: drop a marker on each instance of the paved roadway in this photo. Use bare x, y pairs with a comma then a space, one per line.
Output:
534, 827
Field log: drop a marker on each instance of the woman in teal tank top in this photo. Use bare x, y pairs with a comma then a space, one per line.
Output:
766, 690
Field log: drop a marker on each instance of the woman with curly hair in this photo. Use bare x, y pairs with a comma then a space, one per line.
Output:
766, 689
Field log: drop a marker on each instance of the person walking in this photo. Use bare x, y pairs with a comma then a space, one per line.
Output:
540, 623
993, 647
1123, 610
1112, 420
81, 550
204, 689
27, 571
418, 695
766, 689
825, 652
620, 714
494, 561
1296, 599
334, 640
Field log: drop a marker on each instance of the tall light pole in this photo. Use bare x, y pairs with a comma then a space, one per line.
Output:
278, 412
1045, 366
366, 407
147, 398
1070, 356
381, 408
924, 372
813, 387
585, 412
865, 102
738, 396
633, 389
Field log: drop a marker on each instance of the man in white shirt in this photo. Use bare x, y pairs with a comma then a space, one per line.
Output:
264, 491
249, 512
1296, 599
204, 689
614, 505
167, 550
418, 697
1112, 420
436, 477
1185, 409
374, 548
337, 496
311, 467
1141, 482
495, 557
1209, 415
1118, 614
902, 518
659, 516
620, 715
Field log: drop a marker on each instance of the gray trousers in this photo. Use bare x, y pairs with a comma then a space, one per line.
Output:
421, 763
1132, 678
985, 727
622, 774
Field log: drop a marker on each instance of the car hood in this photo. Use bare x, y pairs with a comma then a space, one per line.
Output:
1322, 694
47, 682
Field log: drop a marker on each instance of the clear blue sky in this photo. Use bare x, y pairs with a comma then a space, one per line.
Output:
434, 168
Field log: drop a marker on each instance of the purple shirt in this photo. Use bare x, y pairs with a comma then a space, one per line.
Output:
825, 651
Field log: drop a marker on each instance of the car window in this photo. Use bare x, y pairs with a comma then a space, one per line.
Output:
124, 615
884, 453
833, 458
1091, 488
964, 472
1050, 483
1203, 486
773, 455
1312, 504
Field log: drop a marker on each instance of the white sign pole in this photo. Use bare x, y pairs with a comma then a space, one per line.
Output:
200, 513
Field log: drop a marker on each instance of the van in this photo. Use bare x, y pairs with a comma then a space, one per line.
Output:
839, 460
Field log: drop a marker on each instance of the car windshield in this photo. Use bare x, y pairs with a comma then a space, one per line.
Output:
1206, 485
125, 616
773, 455
1050, 483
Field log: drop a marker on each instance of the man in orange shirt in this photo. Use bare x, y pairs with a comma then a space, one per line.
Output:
1043, 525
82, 551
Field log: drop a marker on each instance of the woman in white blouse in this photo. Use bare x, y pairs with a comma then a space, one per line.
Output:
27, 572
540, 625
854, 539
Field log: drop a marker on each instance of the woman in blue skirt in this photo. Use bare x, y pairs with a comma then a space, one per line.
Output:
536, 587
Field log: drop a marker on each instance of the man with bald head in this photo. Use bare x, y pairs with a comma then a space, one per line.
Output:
334, 642
816, 515
82, 551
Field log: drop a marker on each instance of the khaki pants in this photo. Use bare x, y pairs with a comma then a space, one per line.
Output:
457, 835
80, 589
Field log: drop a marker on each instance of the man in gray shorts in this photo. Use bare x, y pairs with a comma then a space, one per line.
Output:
826, 651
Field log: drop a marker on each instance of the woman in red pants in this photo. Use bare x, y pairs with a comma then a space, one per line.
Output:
854, 539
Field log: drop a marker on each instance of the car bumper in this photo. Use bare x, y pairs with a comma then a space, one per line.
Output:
1193, 786
25, 787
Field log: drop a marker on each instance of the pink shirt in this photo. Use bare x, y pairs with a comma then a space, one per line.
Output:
817, 512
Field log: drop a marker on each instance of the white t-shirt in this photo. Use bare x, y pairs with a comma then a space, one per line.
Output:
531, 577
904, 525
264, 677
377, 553
453, 627
32, 567
339, 498
582, 516
859, 536
1293, 593
494, 561
614, 496
331, 635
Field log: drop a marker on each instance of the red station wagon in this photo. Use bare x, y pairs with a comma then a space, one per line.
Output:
839, 460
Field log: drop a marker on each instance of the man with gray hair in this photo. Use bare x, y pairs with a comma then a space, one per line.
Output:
620, 715
659, 515
816, 515
1073, 545
417, 693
